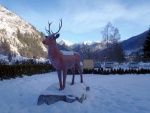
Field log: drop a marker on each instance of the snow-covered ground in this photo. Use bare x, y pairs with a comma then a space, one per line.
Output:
108, 94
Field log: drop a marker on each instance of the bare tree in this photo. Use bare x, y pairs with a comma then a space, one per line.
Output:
111, 37
115, 36
110, 34
107, 33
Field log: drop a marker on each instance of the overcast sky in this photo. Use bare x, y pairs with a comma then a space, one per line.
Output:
83, 20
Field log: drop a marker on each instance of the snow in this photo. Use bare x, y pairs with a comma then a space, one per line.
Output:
108, 94
90, 42
67, 52
62, 41
11, 22
9, 25
20, 58
73, 90
2, 57
87, 42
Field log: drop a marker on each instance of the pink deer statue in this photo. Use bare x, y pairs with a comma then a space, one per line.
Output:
62, 61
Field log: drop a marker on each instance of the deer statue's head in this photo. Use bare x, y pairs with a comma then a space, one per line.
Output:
51, 38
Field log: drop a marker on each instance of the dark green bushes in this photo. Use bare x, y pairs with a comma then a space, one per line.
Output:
30, 67
119, 71
21, 68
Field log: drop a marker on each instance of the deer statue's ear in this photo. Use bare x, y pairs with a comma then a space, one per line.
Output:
57, 35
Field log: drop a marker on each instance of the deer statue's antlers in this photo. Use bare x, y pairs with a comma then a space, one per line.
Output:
50, 32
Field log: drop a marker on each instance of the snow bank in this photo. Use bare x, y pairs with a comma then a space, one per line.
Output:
108, 94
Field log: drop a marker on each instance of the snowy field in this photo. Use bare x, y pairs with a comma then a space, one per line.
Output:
108, 94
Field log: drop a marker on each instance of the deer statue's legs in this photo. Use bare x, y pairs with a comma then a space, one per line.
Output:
73, 76
81, 77
60, 79
64, 77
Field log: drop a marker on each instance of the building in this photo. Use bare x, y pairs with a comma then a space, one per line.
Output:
88, 64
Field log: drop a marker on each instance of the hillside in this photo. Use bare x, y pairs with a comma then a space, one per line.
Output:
135, 42
19, 37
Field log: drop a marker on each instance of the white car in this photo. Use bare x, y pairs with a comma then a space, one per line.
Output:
109, 65
133, 65
97, 65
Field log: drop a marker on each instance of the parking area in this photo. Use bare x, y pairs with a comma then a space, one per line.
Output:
127, 66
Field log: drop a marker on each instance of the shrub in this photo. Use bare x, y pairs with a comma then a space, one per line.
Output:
24, 68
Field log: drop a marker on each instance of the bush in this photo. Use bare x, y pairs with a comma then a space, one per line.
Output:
25, 68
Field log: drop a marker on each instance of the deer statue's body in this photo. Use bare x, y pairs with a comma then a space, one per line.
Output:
62, 61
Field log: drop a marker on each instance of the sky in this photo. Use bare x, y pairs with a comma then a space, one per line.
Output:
84, 20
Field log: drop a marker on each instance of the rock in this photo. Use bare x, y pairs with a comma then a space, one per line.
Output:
71, 93
50, 99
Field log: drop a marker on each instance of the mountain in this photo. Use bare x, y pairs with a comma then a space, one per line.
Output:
87, 49
85, 44
135, 42
96, 50
19, 37
64, 42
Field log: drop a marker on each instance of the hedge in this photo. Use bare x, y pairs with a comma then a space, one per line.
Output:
24, 68
119, 71
31, 68
116, 71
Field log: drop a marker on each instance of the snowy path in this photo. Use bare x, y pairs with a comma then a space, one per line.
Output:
108, 94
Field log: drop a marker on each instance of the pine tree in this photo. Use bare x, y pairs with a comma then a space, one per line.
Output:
118, 53
146, 47
9, 57
5, 46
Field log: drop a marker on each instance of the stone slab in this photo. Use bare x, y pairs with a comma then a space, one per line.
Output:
71, 93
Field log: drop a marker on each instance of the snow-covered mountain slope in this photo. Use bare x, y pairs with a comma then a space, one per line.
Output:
90, 44
87, 42
64, 42
130, 44
11, 22
18, 36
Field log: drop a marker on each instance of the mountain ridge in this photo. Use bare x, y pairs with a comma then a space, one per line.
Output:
132, 43
19, 37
